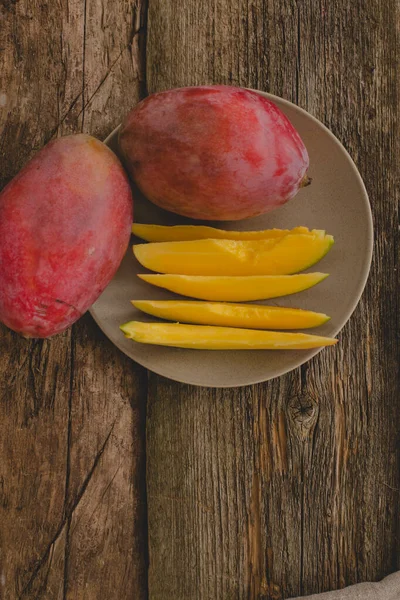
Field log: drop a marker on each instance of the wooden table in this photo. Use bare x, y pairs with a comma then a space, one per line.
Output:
118, 484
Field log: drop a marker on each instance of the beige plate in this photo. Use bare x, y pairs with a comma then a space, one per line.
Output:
336, 201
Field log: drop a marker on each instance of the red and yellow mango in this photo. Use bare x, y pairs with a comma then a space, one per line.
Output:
65, 224
213, 152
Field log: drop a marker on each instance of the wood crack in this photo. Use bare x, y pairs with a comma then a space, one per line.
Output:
67, 515
138, 32
43, 585
108, 486
86, 104
139, 54
61, 121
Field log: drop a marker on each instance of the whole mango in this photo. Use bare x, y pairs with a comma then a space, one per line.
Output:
213, 152
65, 223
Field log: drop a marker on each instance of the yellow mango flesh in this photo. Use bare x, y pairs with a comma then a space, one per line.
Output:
250, 316
179, 233
220, 338
235, 289
281, 256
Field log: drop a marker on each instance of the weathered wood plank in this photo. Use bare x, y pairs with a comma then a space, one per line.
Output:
289, 487
105, 551
72, 515
33, 446
106, 544
35, 375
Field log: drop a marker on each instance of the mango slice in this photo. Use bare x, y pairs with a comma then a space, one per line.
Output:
179, 233
282, 256
201, 337
235, 289
249, 316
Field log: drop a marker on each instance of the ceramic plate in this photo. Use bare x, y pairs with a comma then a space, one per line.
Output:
336, 201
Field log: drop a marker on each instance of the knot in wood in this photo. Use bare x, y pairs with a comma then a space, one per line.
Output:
303, 411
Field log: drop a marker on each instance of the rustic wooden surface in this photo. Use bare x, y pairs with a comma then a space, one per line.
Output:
290, 487
264, 492
72, 409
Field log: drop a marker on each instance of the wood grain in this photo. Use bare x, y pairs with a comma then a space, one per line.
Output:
72, 408
290, 487
263, 492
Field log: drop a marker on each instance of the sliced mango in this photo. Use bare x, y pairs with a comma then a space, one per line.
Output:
235, 289
179, 233
250, 316
281, 256
201, 337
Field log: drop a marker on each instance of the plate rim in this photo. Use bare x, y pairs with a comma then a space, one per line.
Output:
363, 275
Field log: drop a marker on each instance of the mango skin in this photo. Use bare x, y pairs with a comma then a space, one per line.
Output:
213, 152
65, 223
